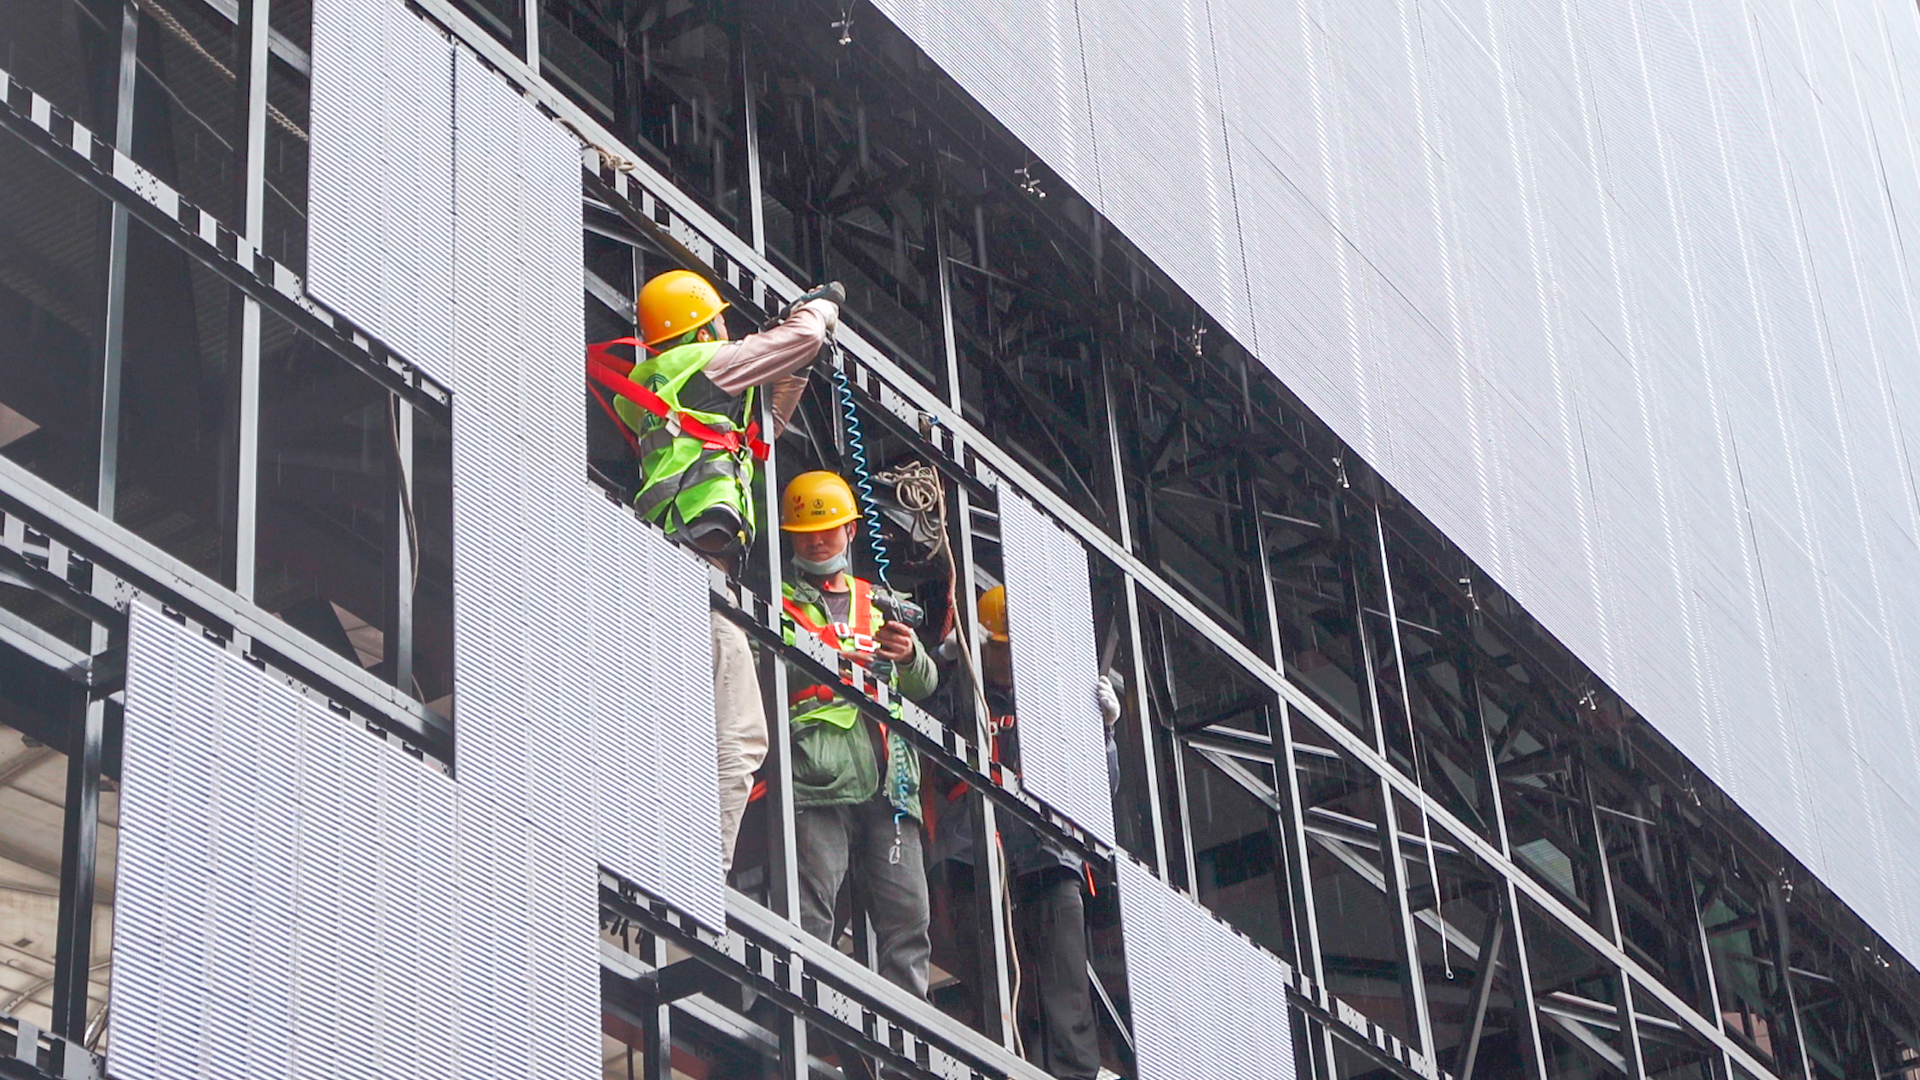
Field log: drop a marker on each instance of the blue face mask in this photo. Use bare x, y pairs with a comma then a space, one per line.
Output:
825, 568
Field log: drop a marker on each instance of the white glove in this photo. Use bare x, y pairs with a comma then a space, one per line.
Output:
1109, 701
829, 311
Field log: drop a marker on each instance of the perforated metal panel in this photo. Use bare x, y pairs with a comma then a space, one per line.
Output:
1063, 750
380, 176
654, 744
1206, 1002
1613, 293
271, 920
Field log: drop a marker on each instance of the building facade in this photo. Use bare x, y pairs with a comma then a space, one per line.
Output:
1469, 442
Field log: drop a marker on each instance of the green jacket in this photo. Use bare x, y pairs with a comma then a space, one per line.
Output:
833, 757
679, 476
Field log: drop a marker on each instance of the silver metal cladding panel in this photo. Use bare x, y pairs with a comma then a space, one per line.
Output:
1063, 753
1206, 1002
271, 918
654, 747
1612, 292
380, 214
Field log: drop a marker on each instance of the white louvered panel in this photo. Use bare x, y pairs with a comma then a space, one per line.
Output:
686, 796
186, 981
622, 730
319, 921
344, 255
141, 885
359, 897
481, 925
403, 908
275, 874
1661, 294
440, 945
380, 214
1063, 756
234, 738
1238, 1027
1024, 62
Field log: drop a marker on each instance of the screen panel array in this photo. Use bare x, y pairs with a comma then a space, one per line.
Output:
380, 222
1063, 740
1206, 1002
1614, 295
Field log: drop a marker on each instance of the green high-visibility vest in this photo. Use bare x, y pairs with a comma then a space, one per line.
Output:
680, 477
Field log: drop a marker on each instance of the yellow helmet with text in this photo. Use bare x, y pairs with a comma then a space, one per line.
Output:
817, 501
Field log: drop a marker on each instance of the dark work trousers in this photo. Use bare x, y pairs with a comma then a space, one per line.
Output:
858, 840
1051, 917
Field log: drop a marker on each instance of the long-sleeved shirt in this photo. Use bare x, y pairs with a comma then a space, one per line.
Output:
775, 358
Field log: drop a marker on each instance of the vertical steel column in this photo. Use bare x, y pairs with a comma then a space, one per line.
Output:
1123, 514
1393, 863
1708, 965
1523, 1010
658, 1028
73, 948
251, 30
1629, 1024
750, 118
402, 644
989, 893
1782, 960
1292, 814
107, 479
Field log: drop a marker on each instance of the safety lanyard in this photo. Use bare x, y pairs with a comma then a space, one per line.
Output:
610, 371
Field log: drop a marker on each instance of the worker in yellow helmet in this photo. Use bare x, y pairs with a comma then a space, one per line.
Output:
856, 784
688, 409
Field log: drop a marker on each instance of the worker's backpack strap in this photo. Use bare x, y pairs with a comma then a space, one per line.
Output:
610, 371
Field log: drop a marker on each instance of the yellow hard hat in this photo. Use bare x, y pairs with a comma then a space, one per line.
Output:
674, 303
993, 612
816, 501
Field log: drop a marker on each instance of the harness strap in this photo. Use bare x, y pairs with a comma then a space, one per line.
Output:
611, 372
859, 613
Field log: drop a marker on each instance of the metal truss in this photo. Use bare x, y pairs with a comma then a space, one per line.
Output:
764, 954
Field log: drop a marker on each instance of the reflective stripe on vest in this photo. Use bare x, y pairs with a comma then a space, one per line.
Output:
839, 636
690, 461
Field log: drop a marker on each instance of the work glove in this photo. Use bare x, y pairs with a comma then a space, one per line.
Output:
1109, 700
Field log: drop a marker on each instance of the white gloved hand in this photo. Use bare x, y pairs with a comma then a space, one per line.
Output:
829, 311
1109, 700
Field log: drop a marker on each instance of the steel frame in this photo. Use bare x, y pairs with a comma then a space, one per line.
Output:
75, 554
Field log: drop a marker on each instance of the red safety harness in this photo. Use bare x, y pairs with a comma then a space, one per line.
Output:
610, 371
838, 636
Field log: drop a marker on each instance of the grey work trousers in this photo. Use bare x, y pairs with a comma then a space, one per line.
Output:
858, 840
1050, 911
740, 727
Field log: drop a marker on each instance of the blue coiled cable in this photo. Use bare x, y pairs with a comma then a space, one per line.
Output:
870, 507
862, 478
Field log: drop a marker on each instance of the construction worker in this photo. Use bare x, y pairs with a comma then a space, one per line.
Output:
688, 410
856, 785
1047, 879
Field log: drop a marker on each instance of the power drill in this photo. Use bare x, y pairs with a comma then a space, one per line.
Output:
894, 608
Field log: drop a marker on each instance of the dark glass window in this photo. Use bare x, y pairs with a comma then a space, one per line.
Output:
53, 275
179, 401
328, 498
284, 210
186, 113
68, 51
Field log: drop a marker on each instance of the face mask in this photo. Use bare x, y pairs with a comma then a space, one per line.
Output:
826, 568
